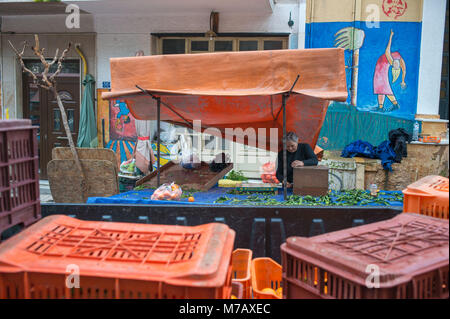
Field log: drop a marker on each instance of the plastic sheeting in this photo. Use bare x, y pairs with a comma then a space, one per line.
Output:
235, 90
344, 124
206, 198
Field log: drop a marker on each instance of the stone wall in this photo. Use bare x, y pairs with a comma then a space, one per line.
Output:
423, 160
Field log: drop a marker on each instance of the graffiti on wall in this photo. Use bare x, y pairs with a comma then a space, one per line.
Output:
394, 8
382, 62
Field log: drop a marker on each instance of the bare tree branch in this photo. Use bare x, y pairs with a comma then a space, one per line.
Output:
60, 61
19, 57
50, 84
55, 58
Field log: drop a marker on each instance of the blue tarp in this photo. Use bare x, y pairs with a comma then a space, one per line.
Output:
384, 152
205, 198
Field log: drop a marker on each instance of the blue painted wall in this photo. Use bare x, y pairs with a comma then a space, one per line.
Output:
406, 40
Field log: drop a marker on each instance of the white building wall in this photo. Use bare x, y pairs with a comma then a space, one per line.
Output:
302, 26
117, 45
120, 36
12, 72
433, 26
123, 35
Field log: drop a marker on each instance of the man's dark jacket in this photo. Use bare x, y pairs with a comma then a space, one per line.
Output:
304, 153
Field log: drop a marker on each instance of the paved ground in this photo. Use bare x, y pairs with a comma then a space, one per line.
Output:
44, 191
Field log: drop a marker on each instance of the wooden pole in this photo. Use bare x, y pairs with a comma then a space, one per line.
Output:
159, 140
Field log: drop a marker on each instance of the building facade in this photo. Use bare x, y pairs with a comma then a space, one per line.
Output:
113, 28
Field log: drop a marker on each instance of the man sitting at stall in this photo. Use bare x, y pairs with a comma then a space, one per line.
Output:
297, 155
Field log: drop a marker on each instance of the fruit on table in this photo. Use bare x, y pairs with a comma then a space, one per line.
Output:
191, 199
268, 290
233, 297
279, 292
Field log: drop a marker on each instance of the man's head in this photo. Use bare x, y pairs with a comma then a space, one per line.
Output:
291, 142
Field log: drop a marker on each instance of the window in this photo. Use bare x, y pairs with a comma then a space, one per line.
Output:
68, 66
199, 44
173, 46
246, 45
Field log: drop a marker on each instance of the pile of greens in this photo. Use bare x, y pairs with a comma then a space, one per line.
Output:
142, 187
237, 176
345, 198
188, 192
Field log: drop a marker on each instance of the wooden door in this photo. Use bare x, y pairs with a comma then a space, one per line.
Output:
42, 108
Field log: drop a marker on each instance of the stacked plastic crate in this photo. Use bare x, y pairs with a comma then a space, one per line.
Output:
402, 258
116, 260
428, 196
19, 176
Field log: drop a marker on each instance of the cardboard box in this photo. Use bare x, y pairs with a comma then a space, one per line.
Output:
311, 180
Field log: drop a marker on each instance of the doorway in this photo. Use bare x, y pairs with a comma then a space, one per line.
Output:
41, 107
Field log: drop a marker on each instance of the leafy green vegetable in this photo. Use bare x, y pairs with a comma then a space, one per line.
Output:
142, 187
237, 176
345, 198
222, 199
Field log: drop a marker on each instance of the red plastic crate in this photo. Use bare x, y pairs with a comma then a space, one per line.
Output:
117, 260
428, 196
19, 174
411, 252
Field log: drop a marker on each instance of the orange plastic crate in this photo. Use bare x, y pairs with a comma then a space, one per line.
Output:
117, 260
428, 196
266, 273
237, 290
241, 261
409, 252
430, 139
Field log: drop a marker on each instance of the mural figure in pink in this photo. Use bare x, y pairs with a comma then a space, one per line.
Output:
381, 84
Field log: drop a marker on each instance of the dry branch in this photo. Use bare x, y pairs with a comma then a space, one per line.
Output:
49, 83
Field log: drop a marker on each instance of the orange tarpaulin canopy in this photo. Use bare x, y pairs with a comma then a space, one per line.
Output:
235, 90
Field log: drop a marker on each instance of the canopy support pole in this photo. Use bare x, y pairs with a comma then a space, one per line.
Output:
158, 100
288, 94
284, 98
283, 108
166, 105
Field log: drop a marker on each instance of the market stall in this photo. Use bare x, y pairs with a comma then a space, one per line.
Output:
266, 93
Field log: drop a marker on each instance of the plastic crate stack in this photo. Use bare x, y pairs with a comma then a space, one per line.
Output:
259, 277
19, 174
117, 260
241, 261
406, 257
428, 196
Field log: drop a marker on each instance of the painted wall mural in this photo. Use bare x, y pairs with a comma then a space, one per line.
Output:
117, 130
382, 49
115, 126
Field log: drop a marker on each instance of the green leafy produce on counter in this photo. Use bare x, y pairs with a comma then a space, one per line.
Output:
142, 187
237, 176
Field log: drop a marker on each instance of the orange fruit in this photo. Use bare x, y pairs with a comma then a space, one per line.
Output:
268, 291
191, 199
279, 292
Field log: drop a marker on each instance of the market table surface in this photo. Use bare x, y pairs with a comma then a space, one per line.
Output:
220, 196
